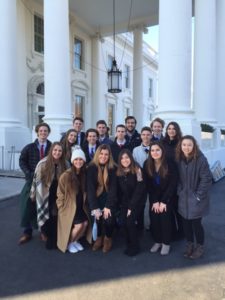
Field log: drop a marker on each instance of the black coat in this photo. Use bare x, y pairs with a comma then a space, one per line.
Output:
164, 191
132, 191
134, 140
116, 149
170, 148
86, 151
195, 180
92, 185
29, 158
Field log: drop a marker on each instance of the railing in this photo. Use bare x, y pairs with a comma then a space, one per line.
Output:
9, 160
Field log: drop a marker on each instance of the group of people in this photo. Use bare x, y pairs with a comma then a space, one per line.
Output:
88, 184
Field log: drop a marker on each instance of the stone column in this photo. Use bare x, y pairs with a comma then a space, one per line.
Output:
57, 67
174, 92
205, 61
219, 99
8, 73
99, 82
138, 104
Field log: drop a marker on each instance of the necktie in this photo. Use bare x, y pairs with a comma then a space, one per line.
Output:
92, 152
42, 153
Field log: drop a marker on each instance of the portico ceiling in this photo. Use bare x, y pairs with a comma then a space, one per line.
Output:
98, 14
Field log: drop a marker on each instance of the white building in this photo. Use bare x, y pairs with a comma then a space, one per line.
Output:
55, 56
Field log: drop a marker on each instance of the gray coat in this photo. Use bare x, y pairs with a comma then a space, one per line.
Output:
195, 180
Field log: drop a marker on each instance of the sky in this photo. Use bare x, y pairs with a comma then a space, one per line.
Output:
152, 37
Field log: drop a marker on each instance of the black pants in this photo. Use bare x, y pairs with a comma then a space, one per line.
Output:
131, 230
161, 226
105, 227
50, 230
193, 229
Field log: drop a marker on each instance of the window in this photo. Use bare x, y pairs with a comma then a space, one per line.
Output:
126, 77
110, 61
127, 112
79, 106
78, 54
150, 87
40, 89
111, 117
41, 113
38, 34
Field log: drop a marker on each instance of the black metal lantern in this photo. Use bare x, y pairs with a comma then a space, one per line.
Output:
114, 75
114, 79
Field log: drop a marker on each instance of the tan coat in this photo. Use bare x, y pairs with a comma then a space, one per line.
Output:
66, 211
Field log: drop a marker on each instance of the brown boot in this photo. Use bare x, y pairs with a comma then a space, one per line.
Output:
98, 243
198, 252
189, 249
107, 244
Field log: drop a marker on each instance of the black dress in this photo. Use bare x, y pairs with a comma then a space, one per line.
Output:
80, 215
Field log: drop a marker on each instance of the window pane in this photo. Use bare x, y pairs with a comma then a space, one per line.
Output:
38, 34
78, 54
111, 118
79, 109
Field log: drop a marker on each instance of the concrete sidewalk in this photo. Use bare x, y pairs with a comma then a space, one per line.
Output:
32, 272
10, 187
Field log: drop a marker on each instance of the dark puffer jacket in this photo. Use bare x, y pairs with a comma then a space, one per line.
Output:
195, 180
30, 157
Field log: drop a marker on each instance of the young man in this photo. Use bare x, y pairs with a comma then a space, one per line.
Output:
91, 144
78, 126
140, 153
29, 158
157, 126
101, 127
132, 136
120, 142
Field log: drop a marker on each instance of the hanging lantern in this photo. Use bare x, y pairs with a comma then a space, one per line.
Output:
114, 79
114, 75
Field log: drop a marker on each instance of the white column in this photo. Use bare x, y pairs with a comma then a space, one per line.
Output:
219, 100
174, 59
57, 67
99, 82
8, 72
205, 60
138, 105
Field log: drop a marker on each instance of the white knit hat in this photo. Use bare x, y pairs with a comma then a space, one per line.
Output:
77, 152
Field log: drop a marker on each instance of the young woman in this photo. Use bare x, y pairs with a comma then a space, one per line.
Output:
193, 190
131, 184
43, 190
170, 141
71, 202
101, 191
161, 181
69, 141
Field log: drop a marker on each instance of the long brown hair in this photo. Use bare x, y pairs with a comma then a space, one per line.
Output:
150, 163
177, 129
132, 167
195, 152
48, 169
66, 145
95, 160
77, 181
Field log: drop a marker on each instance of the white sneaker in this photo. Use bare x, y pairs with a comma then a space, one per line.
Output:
71, 248
165, 249
78, 246
155, 247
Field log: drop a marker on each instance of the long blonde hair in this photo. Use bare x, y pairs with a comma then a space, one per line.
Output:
48, 168
110, 164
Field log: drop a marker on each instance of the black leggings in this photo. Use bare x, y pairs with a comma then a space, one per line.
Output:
193, 229
105, 226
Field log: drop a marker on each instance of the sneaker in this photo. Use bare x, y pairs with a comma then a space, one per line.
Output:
78, 246
155, 247
198, 252
165, 249
71, 248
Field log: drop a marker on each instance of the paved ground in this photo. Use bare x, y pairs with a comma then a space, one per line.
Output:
32, 272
